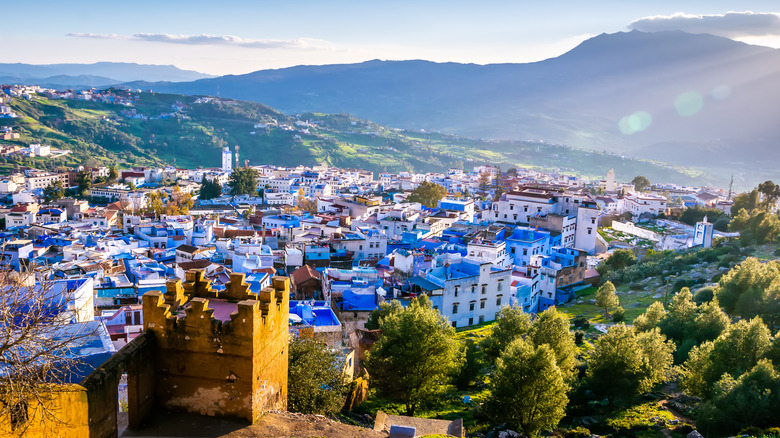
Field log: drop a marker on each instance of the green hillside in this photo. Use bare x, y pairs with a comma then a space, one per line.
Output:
175, 129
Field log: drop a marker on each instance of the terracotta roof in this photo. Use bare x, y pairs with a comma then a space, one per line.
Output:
195, 264
305, 273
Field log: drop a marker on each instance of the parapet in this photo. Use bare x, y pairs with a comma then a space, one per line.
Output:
176, 323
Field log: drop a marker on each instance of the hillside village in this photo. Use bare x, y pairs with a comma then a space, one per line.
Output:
316, 249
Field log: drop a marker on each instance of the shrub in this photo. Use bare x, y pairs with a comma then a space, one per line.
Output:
619, 315
581, 322
579, 335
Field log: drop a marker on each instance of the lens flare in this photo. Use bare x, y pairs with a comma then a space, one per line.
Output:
689, 103
639, 121
720, 92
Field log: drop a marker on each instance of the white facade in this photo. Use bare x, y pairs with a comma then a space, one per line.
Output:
227, 160
587, 228
473, 292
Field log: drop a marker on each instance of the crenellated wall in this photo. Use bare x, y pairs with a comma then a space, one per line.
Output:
236, 368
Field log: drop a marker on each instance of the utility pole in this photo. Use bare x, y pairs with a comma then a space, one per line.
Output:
731, 184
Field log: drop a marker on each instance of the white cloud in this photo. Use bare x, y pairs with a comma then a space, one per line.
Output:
730, 24
214, 40
98, 36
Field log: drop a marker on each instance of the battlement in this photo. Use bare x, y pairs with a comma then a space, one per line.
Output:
236, 367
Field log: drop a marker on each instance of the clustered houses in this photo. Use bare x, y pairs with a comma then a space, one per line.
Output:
357, 243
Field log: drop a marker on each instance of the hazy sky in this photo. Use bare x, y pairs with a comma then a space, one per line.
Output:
234, 37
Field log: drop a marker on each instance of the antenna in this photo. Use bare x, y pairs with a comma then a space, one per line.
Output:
730, 185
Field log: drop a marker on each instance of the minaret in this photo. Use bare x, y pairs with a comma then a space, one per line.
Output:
610, 181
227, 160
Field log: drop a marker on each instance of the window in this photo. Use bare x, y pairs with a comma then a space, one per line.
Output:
471, 306
471, 321
482, 304
455, 308
456, 290
481, 319
454, 324
473, 288
500, 286
498, 301
525, 251
484, 289
590, 230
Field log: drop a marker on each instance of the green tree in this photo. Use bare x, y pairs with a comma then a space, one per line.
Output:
416, 354
528, 389
113, 174
428, 194
471, 366
511, 323
620, 259
640, 183
54, 191
377, 315
606, 298
243, 181
751, 400
209, 189
752, 289
551, 328
771, 192
678, 322
317, 384
745, 201
735, 351
650, 319
84, 182
624, 364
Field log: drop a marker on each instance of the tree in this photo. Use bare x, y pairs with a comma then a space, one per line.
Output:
751, 289
209, 189
377, 315
771, 192
428, 194
84, 182
650, 319
735, 351
552, 329
751, 400
528, 389
54, 191
624, 364
317, 384
179, 202
640, 183
606, 298
36, 349
620, 259
484, 181
511, 323
305, 204
113, 174
415, 355
243, 181
745, 201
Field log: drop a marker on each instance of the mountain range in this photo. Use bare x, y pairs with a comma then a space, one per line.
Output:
692, 99
99, 74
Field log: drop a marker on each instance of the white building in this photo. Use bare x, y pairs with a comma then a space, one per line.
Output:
468, 292
227, 160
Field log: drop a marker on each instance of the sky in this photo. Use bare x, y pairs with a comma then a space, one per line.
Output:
236, 37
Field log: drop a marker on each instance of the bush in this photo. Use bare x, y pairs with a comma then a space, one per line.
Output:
636, 286
581, 322
716, 278
705, 294
579, 336
619, 315
577, 432
679, 284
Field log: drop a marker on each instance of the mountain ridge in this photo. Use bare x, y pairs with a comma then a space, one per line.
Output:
579, 98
